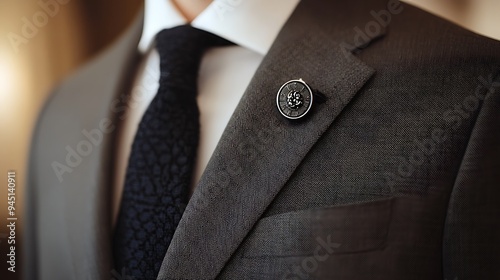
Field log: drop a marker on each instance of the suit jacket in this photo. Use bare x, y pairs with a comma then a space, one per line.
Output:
395, 176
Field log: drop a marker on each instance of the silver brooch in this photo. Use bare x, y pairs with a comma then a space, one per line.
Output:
294, 99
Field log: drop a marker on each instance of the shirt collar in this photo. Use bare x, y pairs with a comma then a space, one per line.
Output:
253, 24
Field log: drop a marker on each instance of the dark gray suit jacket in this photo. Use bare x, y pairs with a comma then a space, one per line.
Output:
395, 176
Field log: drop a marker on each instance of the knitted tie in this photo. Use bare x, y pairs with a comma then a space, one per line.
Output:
162, 157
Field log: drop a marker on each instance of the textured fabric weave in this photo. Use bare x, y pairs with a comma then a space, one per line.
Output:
163, 154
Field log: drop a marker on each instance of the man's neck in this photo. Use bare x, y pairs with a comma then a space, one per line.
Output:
191, 8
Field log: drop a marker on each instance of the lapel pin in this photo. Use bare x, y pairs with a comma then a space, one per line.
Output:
295, 99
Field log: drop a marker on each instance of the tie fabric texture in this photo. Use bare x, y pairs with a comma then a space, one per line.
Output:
163, 154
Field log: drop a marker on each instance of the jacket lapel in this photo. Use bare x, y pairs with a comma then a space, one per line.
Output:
260, 149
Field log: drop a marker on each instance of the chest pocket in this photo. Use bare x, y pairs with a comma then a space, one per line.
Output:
340, 229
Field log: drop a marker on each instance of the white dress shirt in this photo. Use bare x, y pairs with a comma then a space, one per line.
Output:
224, 74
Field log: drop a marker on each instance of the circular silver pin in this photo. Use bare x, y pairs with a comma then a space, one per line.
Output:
294, 99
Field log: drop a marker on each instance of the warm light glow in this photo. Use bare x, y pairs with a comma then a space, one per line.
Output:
6, 78
11, 88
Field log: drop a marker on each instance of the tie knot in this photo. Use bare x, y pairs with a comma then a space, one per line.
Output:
187, 39
181, 49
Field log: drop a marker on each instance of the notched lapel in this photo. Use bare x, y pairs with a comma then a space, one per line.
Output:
260, 149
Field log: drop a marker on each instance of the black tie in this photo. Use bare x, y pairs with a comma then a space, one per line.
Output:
163, 155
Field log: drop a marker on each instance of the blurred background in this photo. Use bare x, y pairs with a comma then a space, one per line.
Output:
28, 71
72, 35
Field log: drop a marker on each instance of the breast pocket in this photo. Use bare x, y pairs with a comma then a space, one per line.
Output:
341, 229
